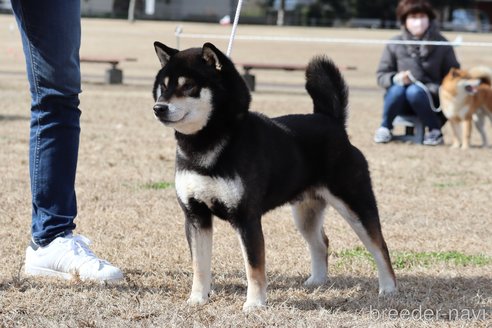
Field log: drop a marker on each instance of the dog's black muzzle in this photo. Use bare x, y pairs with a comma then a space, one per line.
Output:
161, 110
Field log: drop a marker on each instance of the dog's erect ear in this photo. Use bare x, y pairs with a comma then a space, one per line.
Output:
456, 72
211, 55
164, 53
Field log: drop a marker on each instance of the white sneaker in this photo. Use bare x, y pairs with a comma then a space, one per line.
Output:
383, 135
433, 138
69, 257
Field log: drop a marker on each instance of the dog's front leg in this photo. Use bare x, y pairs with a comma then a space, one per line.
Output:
199, 235
467, 126
253, 247
455, 128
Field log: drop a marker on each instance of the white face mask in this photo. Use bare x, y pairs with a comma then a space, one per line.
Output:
417, 26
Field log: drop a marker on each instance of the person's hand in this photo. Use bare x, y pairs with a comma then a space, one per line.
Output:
402, 78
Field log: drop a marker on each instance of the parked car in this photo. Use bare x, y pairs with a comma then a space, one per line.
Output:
5, 6
468, 20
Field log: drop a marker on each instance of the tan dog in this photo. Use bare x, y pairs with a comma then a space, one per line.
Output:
466, 96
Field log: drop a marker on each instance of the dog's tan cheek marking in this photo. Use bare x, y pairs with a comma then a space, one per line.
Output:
198, 111
386, 277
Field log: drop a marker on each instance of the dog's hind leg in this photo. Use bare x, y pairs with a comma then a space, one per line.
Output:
253, 248
199, 234
479, 120
368, 229
308, 218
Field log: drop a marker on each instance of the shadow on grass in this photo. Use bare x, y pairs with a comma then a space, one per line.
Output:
11, 118
355, 294
347, 294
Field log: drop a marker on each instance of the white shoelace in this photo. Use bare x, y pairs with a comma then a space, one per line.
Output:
79, 245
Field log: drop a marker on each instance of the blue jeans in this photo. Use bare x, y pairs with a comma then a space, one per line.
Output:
404, 100
50, 32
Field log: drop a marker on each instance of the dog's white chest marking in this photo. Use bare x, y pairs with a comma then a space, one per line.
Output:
208, 189
463, 111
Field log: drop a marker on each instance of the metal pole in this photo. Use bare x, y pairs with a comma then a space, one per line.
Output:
281, 13
131, 11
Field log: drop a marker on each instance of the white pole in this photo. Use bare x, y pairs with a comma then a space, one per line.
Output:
281, 13
131, 11
234, 27
149, 7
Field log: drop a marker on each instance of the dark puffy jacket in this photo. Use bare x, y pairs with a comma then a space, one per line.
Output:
428, 63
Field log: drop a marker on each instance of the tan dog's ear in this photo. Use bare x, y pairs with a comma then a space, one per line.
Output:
455, 72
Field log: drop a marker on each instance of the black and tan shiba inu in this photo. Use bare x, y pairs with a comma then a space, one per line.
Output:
237, 165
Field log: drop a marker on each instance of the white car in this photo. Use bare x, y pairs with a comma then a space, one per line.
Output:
5, 6
468, 20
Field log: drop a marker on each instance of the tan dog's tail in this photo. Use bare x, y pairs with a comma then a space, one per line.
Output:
483, 73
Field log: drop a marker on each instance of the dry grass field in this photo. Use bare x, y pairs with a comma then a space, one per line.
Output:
435, 203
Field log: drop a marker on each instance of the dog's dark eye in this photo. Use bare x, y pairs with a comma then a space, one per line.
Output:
188, 86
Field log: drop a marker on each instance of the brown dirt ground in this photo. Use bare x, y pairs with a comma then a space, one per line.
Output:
431, 199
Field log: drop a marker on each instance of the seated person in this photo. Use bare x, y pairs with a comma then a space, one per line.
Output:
403, 64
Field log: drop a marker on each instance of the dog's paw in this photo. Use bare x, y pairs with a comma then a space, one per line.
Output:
197, 299
252, 305
315, 281
388, 291
455, 145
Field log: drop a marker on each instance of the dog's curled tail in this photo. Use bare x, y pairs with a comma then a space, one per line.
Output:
326, 86
483, 73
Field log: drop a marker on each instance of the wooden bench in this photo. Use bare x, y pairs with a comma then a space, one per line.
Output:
114, 75
250, 79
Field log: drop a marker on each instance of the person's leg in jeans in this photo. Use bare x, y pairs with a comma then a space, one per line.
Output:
395, 103
51, 40
419, 102
50, 32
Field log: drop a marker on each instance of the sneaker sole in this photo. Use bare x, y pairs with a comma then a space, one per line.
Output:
36, 271
434, 143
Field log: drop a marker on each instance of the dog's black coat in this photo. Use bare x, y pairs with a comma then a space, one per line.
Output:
277, 159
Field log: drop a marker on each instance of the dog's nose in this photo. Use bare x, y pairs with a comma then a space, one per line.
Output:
160, 108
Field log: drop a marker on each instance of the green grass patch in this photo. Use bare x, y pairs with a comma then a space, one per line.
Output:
406, 260
158, 185
450, 184
426, 259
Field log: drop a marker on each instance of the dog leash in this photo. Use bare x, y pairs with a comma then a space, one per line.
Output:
427, 92
234, 27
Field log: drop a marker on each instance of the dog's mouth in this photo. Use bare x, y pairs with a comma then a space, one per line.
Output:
471, 86
168, 116
169, 121
471, 89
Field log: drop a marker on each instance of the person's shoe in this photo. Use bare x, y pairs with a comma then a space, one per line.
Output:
383, 135
433, 138
69, 257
